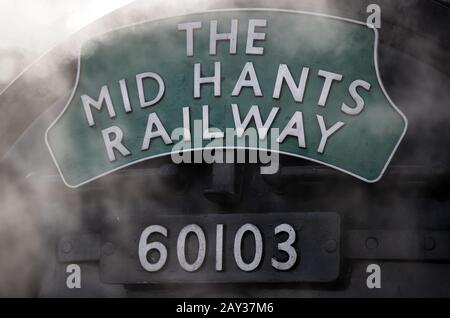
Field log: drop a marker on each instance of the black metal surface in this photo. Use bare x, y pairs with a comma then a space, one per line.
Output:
317, 244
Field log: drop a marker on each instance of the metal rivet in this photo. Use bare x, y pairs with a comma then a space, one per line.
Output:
66, 247
108, 248
330, 246
371, 243
429, 243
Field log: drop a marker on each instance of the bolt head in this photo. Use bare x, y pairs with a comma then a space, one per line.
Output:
108, 248
330, 246
371, 243
66, 247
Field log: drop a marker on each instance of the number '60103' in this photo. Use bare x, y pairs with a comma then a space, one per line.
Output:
145, 247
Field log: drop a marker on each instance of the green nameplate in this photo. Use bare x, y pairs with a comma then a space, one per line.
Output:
308, 83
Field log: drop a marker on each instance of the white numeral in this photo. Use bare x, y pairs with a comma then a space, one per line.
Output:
151, 265
248, 267
181, 250
287, 247
219, 247
145, 247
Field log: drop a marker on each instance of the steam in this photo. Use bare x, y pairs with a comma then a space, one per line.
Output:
28, 192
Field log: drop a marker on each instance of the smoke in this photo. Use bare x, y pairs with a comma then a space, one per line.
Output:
36, 209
